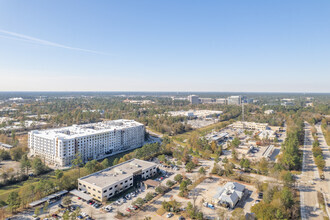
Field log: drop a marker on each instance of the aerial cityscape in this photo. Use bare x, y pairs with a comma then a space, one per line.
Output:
164, 110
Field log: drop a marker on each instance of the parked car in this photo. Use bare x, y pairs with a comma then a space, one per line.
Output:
169, 215
83, 214
128, 209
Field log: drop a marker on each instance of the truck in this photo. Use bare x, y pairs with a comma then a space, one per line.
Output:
208, 205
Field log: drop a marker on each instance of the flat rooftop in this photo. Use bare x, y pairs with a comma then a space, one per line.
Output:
116, 173
75, 131
198, 113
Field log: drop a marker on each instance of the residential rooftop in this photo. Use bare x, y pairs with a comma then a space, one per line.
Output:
116, 173
75, 131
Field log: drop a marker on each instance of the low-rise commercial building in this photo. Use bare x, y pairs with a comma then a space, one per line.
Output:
217, 136
109, 182
5, 146
229, 195
196, 113
250, 125
269, 112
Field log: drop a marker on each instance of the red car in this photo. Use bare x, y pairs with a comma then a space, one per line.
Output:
136, 207
128, 209
79, 198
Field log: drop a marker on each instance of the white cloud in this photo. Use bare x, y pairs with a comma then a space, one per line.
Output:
22, 37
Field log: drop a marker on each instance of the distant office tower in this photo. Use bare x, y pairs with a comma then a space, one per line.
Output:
234, 100
92, 141
221, 101
194, 99
206, 100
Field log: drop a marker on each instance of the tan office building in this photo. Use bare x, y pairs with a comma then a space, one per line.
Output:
106, 183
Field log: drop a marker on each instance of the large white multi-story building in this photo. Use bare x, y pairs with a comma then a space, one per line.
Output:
90, 141
109, 182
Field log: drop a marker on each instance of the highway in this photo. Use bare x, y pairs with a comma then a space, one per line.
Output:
325, 185
309, 205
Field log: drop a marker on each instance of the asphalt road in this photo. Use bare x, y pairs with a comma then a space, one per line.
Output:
325, 185
309, 205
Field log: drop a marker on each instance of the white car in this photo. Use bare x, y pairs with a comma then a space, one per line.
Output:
169, 215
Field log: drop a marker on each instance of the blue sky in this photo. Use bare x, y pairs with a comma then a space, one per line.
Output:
185, 45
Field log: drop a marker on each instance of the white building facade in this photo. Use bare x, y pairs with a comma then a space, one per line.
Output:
91, 141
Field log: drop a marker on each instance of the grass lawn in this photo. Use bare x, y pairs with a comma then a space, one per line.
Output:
4, 191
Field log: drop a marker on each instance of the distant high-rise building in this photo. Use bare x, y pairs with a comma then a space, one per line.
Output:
234, 100
194, 99
206, 100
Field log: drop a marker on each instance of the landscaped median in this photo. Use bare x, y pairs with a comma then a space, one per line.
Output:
317, 152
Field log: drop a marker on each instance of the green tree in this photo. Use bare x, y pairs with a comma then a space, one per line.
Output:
37, 211
105, 163
77, 162
178, 178
263, 166
286, 197
149, 196
66, 201
238, 214
162, 158
263, 211
169, 183
190, 166
115, 161
236, 142
46, 205
234, 154
91, 166
320, 162
139, 202
202, 171
214, 146
13, 201
287, 178
66, 215
161, 189
25, 163
58, 174
37, 166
